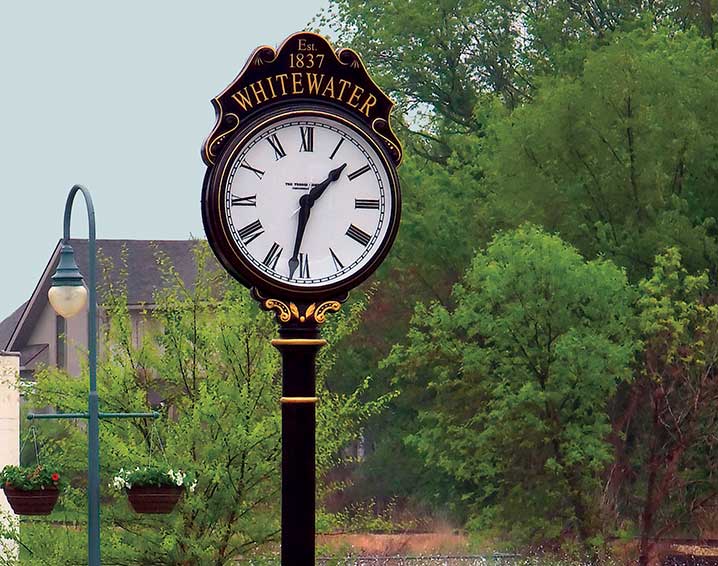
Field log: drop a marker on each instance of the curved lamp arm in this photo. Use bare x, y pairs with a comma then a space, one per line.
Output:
92, 277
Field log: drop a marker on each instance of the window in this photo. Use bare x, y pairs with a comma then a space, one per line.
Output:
61, 330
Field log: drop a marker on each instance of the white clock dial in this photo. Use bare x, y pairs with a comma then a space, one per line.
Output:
311, 171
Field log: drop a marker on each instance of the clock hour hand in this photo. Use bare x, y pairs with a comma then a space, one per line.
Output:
304, 210
317, 190
305, 206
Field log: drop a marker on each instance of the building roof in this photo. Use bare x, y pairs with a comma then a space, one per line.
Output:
138, 260
8, 325
132, 261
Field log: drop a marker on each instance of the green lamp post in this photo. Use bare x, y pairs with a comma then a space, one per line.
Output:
68, 297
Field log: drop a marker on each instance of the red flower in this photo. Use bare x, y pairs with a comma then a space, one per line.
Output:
55, 477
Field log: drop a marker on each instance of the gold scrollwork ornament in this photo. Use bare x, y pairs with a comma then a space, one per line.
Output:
287, 312
283, 312
328, 306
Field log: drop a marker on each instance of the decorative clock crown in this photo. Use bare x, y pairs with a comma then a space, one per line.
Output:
305, 67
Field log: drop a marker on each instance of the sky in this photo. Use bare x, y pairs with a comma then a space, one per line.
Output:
114, 96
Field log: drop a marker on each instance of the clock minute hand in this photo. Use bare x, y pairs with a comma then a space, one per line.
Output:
319, 189
304, 210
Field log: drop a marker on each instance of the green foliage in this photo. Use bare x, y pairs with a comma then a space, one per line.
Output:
439, 59
594, 120
620, 159
672, 313
41, 546
512, 384
204, 350
156, 476
442, 201
31, 478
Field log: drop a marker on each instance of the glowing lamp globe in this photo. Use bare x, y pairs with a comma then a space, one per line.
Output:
68, 295
67, 301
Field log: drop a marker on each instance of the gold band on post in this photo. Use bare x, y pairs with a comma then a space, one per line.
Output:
299, 399
299, 342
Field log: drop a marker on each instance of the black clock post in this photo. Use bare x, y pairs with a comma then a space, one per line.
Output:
299, 342
269, 236
299, 346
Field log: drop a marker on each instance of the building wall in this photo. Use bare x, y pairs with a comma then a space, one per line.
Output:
9, 431
9, 410
44, 332
75, 341
141, 324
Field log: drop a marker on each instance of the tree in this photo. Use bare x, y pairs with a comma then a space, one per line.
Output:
621, 160
441, 58
205, 350
672, 437
611, 137
511, 386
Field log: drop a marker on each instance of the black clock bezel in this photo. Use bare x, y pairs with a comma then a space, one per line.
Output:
216, 225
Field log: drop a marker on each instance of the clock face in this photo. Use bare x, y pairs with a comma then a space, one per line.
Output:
307, 201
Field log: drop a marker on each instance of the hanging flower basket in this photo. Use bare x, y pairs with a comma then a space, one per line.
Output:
31, 491
153, 489
150, 499
32, 502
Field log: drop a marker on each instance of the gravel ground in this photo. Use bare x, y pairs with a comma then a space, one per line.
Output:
495, 560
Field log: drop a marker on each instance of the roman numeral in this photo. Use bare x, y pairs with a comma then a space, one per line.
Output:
358, 172
257, 172
358, 235
244, 201
337, 264
307, 138
251, 231
304, 266
341, 141
276, 146
366, 203
273, 256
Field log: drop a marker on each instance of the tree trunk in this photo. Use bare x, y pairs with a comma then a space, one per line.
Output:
707, 21
621, 470
647, 549
647, 545
649, 554
663, 470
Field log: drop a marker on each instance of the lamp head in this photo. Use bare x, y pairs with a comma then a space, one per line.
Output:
68, 294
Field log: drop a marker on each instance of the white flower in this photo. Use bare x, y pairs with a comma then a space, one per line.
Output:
193, 486
177, 477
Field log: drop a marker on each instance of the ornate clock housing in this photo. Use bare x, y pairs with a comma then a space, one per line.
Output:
301, 199
305, 201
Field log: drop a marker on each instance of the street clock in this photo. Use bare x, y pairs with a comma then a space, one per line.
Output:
301, 203
301, 199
